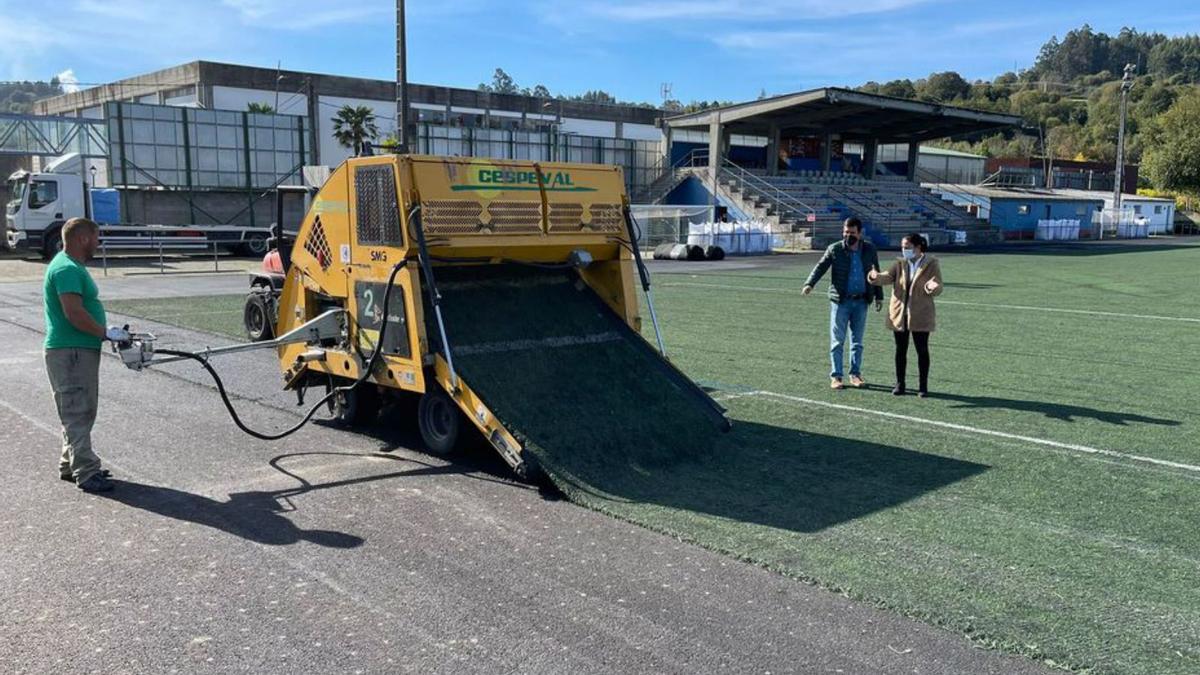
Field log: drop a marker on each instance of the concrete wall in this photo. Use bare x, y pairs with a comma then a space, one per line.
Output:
133, 87
582, 127
237, 98
207, 75
641, 132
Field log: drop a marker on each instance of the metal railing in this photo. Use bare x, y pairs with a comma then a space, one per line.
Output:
670, 175
166, 238
957, 192
1012, 177
784, 202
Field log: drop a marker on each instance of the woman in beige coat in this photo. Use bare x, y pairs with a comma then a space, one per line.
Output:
916, 279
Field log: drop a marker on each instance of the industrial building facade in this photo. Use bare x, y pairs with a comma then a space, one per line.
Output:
447, 120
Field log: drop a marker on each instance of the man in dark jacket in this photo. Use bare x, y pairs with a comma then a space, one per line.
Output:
849, 294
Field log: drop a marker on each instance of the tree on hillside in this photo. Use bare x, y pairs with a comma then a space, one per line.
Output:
1177, 57
898, 88
353, 126
260, 108
19, 97
502, 83
1081, 52
595, 96
1173, 157
942, 87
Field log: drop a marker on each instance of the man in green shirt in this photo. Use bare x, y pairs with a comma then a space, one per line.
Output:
74, 333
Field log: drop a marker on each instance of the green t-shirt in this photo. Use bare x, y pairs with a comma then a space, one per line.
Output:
66, 275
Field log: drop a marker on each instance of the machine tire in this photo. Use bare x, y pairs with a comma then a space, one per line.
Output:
256, 317
440, 422
254, 245
357, 407
52, 243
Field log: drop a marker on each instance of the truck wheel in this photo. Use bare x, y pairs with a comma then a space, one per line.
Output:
440, 422
357, 407
256, 316
52, 244
255, 245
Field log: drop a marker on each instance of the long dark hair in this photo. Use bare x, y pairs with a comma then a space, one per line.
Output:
917, 241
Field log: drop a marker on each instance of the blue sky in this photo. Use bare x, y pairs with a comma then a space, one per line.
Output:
707, 49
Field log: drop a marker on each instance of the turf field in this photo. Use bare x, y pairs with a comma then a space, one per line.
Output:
1043, 501
221, 314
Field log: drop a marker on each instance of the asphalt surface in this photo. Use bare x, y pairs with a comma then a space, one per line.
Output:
337, 551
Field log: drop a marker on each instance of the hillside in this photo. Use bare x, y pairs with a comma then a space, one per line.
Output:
1070, 102
18, 97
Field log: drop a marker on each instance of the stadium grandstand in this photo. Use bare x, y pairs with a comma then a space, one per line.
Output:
807, 160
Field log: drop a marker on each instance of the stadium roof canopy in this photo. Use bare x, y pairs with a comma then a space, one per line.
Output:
851, 115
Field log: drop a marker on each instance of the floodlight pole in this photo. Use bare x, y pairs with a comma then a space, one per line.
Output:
1126, 85
401, 82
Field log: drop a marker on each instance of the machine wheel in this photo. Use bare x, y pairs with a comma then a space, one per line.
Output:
440, 422
256, 316
254, 245
357, 407
52, 244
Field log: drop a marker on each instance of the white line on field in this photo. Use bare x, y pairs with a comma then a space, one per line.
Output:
32, 420
1072, 311
1060, 310
1085, 449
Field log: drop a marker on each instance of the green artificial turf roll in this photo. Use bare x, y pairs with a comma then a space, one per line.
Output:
563, 372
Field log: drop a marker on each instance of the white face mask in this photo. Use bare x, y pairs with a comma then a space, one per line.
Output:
908, 253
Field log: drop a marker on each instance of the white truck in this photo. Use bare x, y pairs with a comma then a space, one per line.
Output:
40, 203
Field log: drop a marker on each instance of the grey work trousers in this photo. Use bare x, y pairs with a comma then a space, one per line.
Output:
75, 378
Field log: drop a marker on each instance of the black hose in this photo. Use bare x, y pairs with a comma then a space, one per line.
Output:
362, 377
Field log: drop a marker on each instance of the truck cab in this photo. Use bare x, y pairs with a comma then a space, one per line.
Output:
40, 204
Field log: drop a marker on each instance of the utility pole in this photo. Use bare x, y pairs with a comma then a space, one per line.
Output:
1126, 85
401, 82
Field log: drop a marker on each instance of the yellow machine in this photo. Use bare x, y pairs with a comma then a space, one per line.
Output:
409, 217
525, 270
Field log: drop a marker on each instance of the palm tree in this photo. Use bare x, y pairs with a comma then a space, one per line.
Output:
354, 125
261, 108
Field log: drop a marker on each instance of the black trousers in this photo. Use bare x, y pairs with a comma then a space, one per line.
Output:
922, 341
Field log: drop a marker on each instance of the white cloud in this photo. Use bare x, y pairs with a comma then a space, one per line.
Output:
69, 82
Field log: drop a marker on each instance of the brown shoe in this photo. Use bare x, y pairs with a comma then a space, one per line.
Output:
836, 383
857, 382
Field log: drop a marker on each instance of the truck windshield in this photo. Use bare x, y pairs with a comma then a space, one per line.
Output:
16, 192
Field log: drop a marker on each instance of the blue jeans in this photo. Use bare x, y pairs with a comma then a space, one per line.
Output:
851, 314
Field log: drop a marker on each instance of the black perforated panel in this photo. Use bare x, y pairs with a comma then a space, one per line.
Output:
376, 211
